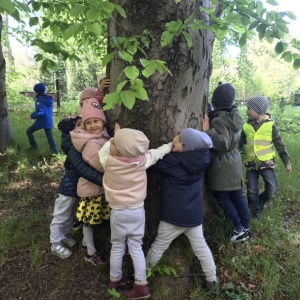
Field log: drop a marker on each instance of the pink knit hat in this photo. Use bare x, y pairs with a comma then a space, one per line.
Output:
92, 109
88, 93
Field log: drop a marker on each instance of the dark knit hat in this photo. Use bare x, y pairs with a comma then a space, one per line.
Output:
193, 139
68, 124
223, 96
260, 104
40, 88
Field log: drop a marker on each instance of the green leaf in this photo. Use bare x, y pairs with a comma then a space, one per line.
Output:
287, 56
38, 57
70, 31
16, 15
279, 48
120, 10
291, 15
188, 39
36, 6
233, 18
114, 293
149, 70
128, 98
125, 56
33, 21
46, 24
296, 64
144, 62
121, 85
141, 93
55, 29
196, 25
109, 100
22, 6
107, 7
243, 40
272, 2
174, 26
93, 14
166, 38
253, 25
77, 10
107, 59
262, 31
94, 27
132, 72
8, 6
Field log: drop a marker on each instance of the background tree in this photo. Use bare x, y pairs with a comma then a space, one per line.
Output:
6, 134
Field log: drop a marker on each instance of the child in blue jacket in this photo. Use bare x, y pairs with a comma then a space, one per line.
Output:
43, 116
181, 177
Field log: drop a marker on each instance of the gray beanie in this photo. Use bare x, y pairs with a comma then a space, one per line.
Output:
193, 139
260, 104
131, 142
223, 96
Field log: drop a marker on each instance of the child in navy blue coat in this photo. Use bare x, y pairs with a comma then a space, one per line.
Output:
181, 177
43, 116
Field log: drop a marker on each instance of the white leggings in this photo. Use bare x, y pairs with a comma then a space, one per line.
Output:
127, 227
168, 232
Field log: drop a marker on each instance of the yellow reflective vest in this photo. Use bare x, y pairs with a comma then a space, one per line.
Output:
259, 143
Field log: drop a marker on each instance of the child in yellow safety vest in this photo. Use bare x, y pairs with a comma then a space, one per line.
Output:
259, 139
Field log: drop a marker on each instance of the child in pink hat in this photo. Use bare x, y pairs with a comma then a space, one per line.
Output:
93, 208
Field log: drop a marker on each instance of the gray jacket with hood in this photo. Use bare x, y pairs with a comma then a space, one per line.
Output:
226, 172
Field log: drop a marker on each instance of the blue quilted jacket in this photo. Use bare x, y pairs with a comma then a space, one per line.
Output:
181, 178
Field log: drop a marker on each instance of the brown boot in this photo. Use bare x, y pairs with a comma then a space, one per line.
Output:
118, 284
138, 292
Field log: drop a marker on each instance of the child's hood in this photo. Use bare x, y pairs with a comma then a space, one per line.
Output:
231, 117
194, 161
80, 138
45, 99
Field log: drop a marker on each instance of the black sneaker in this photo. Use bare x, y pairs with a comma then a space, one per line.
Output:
242, 236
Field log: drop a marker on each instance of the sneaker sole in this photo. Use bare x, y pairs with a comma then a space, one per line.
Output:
92, 262
61, 256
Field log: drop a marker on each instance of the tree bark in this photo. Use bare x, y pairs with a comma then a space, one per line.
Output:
175, 101
6, 134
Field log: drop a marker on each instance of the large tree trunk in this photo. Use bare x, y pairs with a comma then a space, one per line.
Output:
176, 101
6, 134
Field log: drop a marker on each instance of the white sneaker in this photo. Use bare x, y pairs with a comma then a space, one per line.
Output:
242, 236
69, 241
61, 251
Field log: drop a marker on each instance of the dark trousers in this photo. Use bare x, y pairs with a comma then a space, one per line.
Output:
33, 128
235, 208
256, 201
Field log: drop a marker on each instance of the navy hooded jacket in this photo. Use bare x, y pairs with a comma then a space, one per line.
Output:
181, 178
43, 112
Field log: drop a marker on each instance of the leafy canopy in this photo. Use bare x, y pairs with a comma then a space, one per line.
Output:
83, 22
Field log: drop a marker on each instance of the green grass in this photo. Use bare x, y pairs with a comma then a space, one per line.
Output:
266, 268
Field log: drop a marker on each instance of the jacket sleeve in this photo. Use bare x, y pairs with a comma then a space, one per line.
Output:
280, 146
242, 142
82, 168
90, 155
153, 155
103, 154
40, 110
162, 166
220, 135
